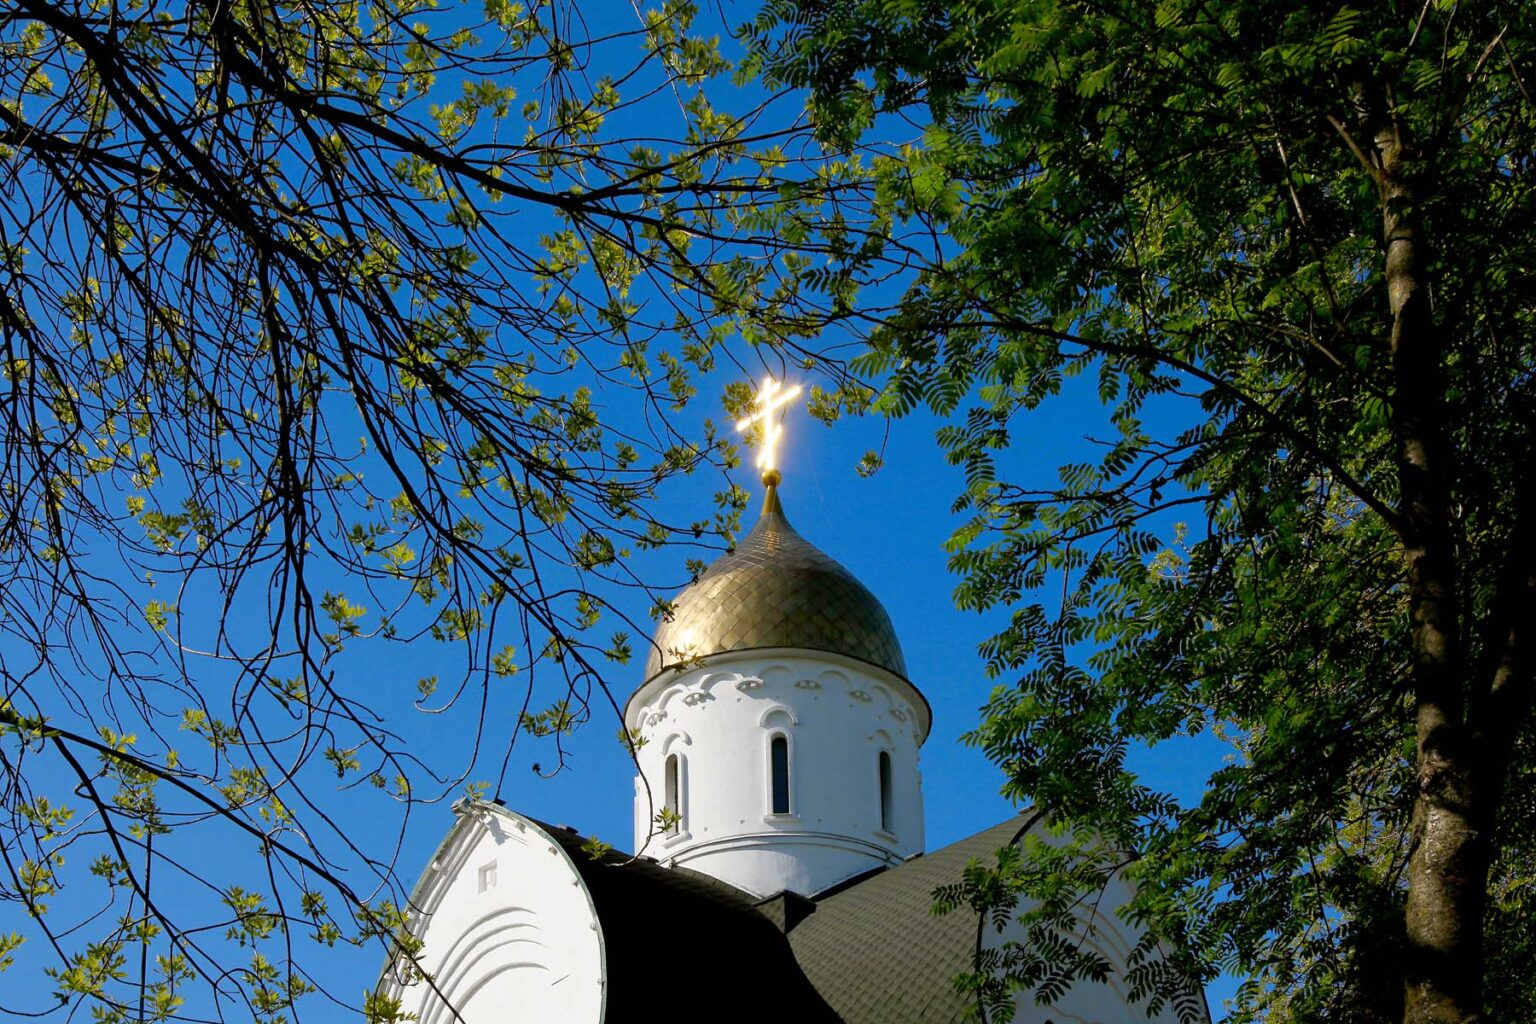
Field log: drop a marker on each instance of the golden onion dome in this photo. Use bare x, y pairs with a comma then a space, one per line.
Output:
777, 589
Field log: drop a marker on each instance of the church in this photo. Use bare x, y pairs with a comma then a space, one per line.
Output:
780, 872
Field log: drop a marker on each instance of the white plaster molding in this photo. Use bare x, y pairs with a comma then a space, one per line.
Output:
833, 679
504, 919
775, 674
834, 671
675, 738
711, 679
777, 715
793, 834
834, 782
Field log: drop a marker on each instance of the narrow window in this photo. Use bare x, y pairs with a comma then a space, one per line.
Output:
885, 791
778, 756
671, 789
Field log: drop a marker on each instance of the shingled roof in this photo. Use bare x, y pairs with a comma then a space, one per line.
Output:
870, 952
685, 947
878, 955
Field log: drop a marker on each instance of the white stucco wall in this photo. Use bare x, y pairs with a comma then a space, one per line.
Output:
837, 714
507, 922
1103, 932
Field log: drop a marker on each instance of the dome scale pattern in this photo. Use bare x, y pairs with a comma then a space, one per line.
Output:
777, 589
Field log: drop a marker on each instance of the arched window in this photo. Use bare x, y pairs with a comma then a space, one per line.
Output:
883, 768
672, 794
778, 767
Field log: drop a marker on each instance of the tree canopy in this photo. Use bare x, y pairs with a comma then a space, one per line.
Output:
329, 327
345, 326
1291, 247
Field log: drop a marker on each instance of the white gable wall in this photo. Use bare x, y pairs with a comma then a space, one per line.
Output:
1101, 931
507, 924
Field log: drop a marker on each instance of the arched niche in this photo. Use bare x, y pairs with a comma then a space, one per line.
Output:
778, 676
676, 740
777, 717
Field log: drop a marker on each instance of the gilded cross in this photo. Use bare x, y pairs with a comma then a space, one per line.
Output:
771, 398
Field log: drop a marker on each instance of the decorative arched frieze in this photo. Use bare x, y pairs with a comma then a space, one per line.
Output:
776, 675
675, 739
709, 680
832, 679
824, 707
777, 716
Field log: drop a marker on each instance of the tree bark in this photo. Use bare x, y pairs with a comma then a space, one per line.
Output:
1450, 848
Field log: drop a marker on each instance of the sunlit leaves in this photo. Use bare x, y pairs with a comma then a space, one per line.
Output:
1173, 208
330, 328
557, 719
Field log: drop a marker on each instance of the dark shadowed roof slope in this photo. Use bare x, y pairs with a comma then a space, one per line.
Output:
683, 947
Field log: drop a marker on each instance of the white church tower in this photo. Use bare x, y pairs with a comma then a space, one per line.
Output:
779, 733
779, 741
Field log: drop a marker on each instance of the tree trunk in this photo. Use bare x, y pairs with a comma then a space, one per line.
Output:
1450, 850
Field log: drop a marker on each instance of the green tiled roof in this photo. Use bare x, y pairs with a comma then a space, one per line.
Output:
777, 589
878, 955
684, 947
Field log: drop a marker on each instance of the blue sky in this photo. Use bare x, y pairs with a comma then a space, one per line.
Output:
889, 529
